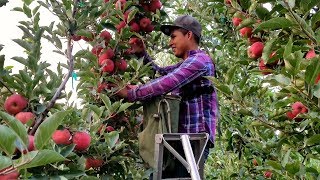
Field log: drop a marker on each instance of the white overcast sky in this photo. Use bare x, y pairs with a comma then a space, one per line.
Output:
9, 21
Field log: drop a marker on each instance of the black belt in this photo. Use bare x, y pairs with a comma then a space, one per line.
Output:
187, 95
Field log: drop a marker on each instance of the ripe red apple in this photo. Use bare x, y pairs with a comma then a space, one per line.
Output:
121, 25
12, 175
93, 163
297, 108
76, 37
121, 65
134, 27
81, 140
96, 50
255, 50
108, 54
236, 21
267, 174
105, 35
311, 54
227, 1
15, 103
149, 28
31, 143
107, 65
252, 40
62, 137
154, 5
246, 32
24, 117
144, 23
102, 87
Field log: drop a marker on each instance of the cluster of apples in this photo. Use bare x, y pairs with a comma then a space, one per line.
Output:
81, 139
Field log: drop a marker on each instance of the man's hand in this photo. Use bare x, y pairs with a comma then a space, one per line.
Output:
123, 93
137, 45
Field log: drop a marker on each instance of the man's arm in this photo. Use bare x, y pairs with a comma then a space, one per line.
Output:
187, 72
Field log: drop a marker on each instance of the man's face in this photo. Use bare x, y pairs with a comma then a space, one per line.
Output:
179, 43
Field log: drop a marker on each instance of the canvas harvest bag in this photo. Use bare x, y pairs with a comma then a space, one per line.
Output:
160, 115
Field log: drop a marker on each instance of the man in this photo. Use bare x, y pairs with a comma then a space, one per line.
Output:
198, 107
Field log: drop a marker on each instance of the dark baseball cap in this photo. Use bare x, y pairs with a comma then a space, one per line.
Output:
186, 22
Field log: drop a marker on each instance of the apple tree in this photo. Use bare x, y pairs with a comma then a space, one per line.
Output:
43, 135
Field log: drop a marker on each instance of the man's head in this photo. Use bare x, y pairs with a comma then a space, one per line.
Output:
185, 22
185, 35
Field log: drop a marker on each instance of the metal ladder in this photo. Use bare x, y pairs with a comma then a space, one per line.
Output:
194, 162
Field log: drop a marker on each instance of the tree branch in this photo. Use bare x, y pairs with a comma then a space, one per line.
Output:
6, 87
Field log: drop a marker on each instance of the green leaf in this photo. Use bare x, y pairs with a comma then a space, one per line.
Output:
5, 162
307, 5
27, 11
2, 58
302, 23
106, 100
286, 158
316, 92
28, 2
315, 19
262, 12
315, 139
274, 164
246, 22
112, 138
124, 106
275, 23
42, 157
7, 140
23, 44
230, 74
267, 50
16, 126
312, 71
48, 126
288, 48
293, 63
282, 79
3, 3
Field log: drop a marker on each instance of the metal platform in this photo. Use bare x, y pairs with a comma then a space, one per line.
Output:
193, 161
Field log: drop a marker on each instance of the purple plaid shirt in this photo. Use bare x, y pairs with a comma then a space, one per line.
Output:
197, 114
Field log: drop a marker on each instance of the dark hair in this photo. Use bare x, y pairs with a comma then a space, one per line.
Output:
184, 32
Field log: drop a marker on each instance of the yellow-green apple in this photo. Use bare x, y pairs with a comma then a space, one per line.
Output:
82, 140
246, 32
255, 50
15, 103
62, 137
24, 117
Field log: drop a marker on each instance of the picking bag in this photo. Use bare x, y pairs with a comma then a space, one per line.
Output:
160, 115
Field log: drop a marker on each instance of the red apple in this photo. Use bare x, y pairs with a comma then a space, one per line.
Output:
255, 50
81, 140
267, 174
255, 162
31, 143
154, 5
236, 21
134, 27
311, 54
24, 117
102, 87
108, 54
15, 103
144, 23
12, 175
227, 1
107, 65
297, 108
246, 32
105, 35
149, 28
62, 137
317, 79
121, 65
76, 37
120, 26
96, 50
93, 163
252, 40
